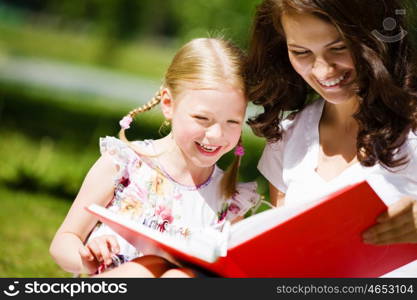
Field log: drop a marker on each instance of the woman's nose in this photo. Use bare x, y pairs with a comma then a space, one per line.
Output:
322, 69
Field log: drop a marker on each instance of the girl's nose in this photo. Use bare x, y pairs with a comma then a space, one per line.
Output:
215, 131
322, 69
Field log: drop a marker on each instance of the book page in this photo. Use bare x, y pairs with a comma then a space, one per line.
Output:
263, 221
206, 244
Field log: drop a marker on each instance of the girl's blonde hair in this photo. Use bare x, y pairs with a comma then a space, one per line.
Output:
202, 63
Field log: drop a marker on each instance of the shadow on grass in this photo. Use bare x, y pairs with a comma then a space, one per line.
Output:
26, 181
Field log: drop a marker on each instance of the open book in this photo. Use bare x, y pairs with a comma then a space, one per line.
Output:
321, 239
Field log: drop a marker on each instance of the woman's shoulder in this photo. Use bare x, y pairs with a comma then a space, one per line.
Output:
299, 124
313, 109
410, 145
412, 150
412, 137
407, 151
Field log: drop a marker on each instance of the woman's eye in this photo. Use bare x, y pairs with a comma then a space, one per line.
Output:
339, 48
299, 53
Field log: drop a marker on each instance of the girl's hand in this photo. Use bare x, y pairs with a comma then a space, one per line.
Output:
397, 225
99, 250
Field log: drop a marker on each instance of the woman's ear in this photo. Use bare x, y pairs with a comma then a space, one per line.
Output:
167, 104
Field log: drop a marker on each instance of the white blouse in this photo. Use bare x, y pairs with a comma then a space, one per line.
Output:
290, 166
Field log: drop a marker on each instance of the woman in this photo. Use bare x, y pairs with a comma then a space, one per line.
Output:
349, 78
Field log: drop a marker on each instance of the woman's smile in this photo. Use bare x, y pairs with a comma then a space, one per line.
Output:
320, 55
336, 82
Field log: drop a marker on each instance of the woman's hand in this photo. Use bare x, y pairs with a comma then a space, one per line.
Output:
397, 225
99, 250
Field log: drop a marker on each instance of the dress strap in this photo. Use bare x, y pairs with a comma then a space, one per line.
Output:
261, 200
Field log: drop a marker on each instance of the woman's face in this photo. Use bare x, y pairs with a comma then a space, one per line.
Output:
320, 56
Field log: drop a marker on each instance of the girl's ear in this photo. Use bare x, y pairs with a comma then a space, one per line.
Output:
167, 104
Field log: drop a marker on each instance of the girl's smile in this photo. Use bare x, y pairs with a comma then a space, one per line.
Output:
207, 149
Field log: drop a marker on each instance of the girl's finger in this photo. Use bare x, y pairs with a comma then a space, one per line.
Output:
95, 250
114, 245
105, 252
85, 253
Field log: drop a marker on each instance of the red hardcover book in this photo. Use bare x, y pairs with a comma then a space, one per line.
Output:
322, 239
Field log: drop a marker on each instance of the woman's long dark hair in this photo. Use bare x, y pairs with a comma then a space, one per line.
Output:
386, 68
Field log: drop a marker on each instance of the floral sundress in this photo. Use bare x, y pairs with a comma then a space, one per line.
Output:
146, 194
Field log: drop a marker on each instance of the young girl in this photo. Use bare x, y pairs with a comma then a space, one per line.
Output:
171, 184
361, 126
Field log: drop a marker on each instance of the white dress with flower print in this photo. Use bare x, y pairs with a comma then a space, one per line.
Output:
145, 193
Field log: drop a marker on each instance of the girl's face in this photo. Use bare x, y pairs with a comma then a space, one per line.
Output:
320, 56
207, 123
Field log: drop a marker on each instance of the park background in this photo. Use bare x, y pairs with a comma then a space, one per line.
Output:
69, 70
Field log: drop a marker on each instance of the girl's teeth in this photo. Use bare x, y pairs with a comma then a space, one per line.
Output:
333, 82
207, 148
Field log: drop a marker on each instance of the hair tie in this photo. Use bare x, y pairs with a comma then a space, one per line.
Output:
239, 150
125, 122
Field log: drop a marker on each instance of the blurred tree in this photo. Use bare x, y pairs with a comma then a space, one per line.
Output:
157, 19
34, 5
117, 20
127, 19
181, 19
199, 17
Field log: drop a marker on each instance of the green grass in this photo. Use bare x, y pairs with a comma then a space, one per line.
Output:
143, 58
27, 225
47, 146
42, 165
49, 141
38, 181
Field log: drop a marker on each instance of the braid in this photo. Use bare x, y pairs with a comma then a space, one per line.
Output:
148, 106
229, 181
156, 99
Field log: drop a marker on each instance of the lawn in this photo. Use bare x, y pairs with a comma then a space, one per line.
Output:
49, 141
47, 146
28, 222
38, 181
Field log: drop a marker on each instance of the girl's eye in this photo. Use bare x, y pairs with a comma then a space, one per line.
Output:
201, 118
299, 53
233, 122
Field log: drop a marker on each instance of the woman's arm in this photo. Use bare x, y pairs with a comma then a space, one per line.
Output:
397, 225
277, 197
98, 187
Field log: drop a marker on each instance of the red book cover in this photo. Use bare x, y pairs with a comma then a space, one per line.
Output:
323, 240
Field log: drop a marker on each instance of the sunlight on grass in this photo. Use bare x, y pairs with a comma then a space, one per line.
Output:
28, 223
